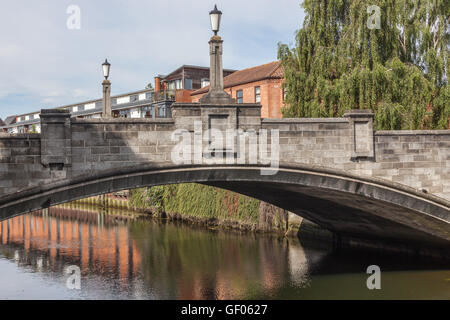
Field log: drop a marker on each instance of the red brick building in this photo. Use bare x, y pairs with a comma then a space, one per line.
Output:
261, 84
185, 80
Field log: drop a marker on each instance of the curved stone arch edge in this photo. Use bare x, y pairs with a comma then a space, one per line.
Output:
120, 182
284, 166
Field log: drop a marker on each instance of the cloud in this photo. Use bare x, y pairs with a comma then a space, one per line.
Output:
44, 64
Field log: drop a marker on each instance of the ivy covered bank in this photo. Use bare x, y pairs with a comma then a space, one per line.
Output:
216, 207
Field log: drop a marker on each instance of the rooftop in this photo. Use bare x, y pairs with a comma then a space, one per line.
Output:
271, 70
9, 120
186, 66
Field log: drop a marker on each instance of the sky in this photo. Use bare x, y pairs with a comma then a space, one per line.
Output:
45, 64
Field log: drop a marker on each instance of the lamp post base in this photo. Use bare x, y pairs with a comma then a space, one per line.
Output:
217, 97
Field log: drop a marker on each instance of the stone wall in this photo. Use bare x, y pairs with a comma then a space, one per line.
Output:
99, 144
20, 162
418, 159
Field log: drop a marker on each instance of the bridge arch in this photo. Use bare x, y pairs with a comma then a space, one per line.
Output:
349, 206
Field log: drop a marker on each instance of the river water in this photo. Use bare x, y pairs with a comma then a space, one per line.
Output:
128, 257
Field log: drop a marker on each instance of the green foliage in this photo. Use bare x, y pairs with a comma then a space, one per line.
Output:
197, 201
138, 198
148, 198
248, 209
442, 105
389, 117
399, 71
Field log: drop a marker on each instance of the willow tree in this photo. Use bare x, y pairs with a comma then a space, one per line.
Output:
397, 68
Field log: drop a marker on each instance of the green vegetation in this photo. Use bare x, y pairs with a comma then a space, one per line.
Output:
399, 70
197, 201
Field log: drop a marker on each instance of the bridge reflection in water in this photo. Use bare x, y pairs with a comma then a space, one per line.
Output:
124, 257
150, 258
54, 238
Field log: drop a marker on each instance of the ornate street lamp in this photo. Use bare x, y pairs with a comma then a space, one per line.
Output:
216, 95
215, 17
106, 109
106, 66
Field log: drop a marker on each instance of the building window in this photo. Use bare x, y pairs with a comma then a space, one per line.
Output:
257, 94
205, 82
148, 112
239, 96
178, 84
162, 112
149, 96
98, 105
134, 98
113, 101
188, 84
124, 114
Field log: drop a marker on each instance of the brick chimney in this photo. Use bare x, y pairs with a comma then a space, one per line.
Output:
157, 84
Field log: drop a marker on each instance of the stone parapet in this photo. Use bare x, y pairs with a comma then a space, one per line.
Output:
55, 138
361, 124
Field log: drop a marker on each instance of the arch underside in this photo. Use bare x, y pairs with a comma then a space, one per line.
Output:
350, 206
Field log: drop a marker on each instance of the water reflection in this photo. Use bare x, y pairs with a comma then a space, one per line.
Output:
125, 257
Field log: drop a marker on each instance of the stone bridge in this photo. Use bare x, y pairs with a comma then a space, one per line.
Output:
390, 187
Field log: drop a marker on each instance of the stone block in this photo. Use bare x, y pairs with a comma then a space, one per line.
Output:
55, 138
